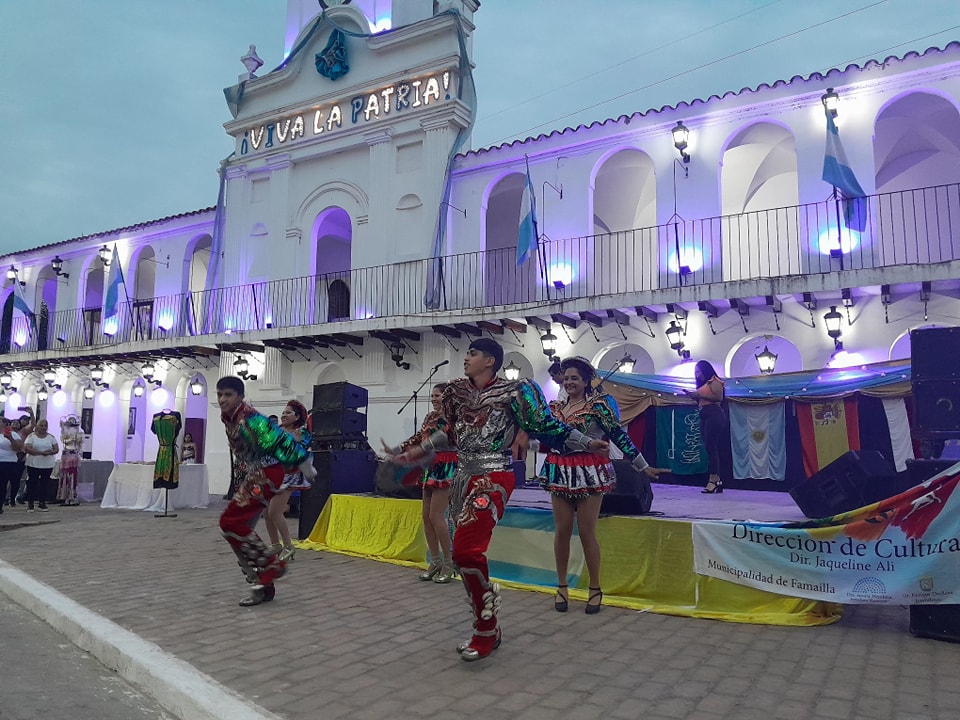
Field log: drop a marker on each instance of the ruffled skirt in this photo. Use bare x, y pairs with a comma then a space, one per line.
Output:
442, 471
577, 475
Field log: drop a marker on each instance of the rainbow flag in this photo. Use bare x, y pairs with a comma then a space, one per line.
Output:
828, 429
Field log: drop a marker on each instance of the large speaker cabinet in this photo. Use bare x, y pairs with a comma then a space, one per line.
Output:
935, 376
851, 481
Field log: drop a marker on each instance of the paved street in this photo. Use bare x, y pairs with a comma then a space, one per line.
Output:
353, 638
45, 676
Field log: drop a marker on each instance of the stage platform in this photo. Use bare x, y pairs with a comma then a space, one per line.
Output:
647, 561
683, 502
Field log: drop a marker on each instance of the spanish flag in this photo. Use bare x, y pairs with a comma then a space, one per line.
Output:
828, 429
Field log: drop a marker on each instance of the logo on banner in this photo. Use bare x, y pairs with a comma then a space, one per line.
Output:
869, 589
926, 584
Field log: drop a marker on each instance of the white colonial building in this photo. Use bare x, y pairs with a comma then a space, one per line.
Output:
358, 237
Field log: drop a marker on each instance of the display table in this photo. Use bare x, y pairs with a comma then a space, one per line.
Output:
130, 487
93, 478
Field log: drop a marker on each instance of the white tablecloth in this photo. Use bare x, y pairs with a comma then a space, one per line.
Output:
130, 487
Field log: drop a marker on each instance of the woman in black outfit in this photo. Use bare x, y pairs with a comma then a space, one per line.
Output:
713, 420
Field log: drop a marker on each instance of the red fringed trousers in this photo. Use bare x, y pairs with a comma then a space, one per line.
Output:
486, 497
258, 563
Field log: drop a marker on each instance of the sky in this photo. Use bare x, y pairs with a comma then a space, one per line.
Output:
111, 111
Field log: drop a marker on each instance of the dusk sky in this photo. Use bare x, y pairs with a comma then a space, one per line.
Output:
111, 111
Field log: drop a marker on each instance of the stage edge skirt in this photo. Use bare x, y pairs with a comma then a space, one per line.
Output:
647, 562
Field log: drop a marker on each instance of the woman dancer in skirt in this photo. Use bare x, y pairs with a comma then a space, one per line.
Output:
577, 481
293, 419
436, 494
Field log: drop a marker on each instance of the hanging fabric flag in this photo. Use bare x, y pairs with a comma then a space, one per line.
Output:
758, 440
679, 444
828, 429
899, 424
837, 172
111, 306
527, 236
20, 303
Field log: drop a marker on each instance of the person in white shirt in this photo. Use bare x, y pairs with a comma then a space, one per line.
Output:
10, 445
41, 448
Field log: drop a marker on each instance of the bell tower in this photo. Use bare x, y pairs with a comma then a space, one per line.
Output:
342, 151
380, 14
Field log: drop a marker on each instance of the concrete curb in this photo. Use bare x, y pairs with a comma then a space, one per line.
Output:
178, 686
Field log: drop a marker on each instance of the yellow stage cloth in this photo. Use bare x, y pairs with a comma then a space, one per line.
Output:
647, 563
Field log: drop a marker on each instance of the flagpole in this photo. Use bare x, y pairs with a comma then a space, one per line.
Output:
123, 283
836, 203
542, 255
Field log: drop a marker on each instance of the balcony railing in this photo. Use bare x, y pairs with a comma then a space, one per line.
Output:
910, 227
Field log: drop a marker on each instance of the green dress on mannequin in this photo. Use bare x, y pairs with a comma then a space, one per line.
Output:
166, 470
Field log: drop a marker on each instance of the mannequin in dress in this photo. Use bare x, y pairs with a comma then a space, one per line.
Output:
71, 441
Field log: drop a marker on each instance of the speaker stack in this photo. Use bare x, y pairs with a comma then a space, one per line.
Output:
342, 456
935, 377
935, 372
632, 495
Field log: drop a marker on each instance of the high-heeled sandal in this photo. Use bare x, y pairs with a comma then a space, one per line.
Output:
713, 488
561, 602
432, 569
594, 609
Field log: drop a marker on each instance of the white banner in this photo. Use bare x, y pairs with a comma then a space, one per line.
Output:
902, 551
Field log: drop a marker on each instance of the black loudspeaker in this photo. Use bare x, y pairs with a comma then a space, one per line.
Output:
920, 470
335, 396
633, 494
934, 353
344, 423
343, 472
937, 622
937, 406
851, 481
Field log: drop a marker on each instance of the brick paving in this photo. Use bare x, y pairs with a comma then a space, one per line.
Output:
354, 638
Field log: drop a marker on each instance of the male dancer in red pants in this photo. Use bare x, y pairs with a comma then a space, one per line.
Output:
266, 451
482, 415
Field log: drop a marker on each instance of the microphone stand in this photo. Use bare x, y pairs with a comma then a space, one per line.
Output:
610, 372
413, 397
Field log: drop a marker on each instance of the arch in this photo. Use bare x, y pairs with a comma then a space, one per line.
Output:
521, 361
143, 266
327, 372
916, 142
900, 347
144, 270
196, 261
609, 357
6, 322
93, 288
337, 193
45, 305
758, 173
504, 281
624, 192
332, 235
741, 361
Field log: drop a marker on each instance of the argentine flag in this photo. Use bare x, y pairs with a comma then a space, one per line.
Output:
20, 303
527, 237
837, 172
111, 306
